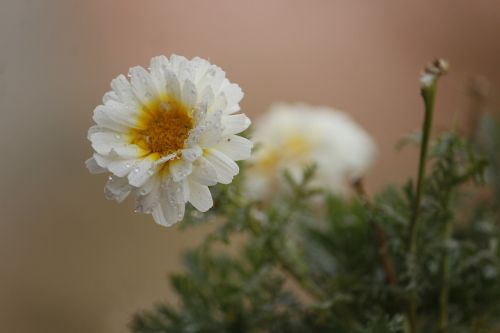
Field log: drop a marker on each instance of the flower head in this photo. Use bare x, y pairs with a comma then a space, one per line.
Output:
168, 134
290, 137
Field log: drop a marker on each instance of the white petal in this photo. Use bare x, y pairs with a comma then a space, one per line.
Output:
173, 212
210, 137
127, 151
234, 94
142, 84
200, 197
160, 218
212, 130
123, 90
119, 167
168, 214
200, 113
151, 184
141, 172
233, 109
235, 147
219, 104
119, 113
177, 62
110, 96
95, 129
93, 167
158, 65
225, 167
103, 120
191, 154
174, 191
172, 84
117, 188
187, 72
105, 143
214, 76
148, 198
234, 124
185, 191
200, 67
189, 94
203, 172
207, 96
180, 169
172, 201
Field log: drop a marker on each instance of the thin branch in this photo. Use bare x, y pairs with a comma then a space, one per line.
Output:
380, 237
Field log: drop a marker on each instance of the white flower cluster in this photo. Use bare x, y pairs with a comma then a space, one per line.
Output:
290, 137
168, 134
171, 131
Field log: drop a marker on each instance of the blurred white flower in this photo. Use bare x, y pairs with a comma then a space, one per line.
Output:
293, 136
168, 134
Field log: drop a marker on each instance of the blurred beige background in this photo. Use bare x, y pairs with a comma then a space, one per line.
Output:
70, 261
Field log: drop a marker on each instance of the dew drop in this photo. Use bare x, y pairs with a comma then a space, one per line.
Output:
118, 136
136, 170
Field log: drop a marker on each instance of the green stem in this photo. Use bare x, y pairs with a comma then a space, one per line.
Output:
428, 94
428, 90
445, 279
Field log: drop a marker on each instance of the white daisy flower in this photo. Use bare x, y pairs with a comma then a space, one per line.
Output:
168, 134
291, 137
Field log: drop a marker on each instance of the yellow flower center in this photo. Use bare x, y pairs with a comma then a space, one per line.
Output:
294, 149
164, 125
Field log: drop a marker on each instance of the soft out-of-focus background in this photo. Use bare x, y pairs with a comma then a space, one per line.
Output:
70, 261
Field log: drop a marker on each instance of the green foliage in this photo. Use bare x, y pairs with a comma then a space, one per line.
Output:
312, 262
